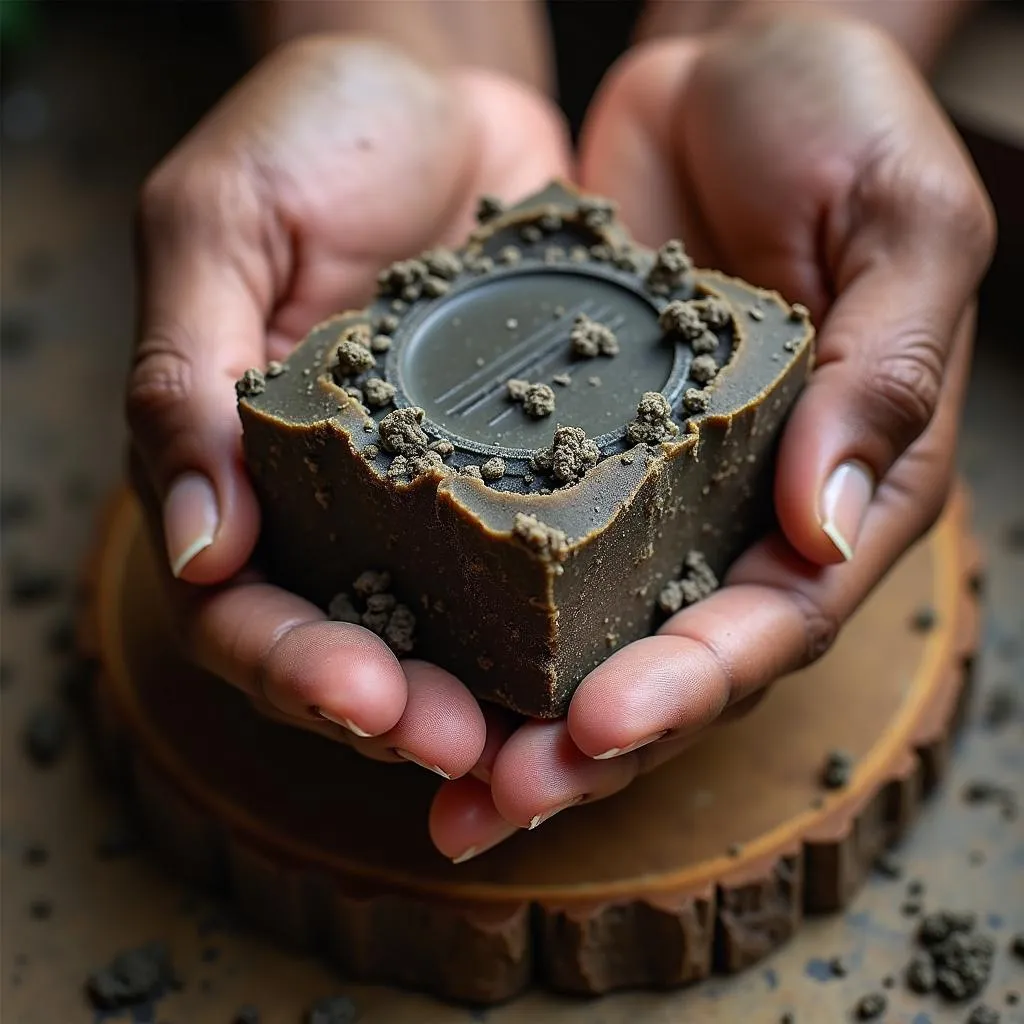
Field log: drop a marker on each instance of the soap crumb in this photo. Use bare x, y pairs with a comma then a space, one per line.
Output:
579, 254
682, 318
352, 358
442, 446
378, 393
571, 454
538, 400
509, 255
275, 368
554, 254
517, 388
549, 543
251, 383
370, 452
714, 312
596, 212
401, 433
342, 609
489, 208
697, 582
381, 611
601, 252
837, 770
493, 469
671, 265
442, 263
471, 470
511, 323
549, 222
755, 313
696, 400
798, 311
653, 423
563, 379
594, 382
387, 323
704, 369
380, 343
404, 278
589, 338
531, 234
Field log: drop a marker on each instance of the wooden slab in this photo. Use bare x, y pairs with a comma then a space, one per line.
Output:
330, 851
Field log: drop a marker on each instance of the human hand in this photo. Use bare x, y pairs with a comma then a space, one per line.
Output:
806, 155
330, 160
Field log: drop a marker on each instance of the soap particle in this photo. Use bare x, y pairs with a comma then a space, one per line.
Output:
493, 469
252, 383
589, 338
571, 454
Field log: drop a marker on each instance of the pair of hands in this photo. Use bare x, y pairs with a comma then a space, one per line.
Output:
802, 154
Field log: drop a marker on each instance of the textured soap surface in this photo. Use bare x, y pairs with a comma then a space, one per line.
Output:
524, 454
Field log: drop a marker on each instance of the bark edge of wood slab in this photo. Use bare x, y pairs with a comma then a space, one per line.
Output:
705, 866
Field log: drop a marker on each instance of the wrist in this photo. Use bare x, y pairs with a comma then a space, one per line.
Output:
509, 38
922, 29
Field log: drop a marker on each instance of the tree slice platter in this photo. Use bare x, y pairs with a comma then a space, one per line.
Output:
703, 866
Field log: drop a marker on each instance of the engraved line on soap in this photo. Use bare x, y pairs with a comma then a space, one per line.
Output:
530, 366
514, 353
500, 372
542, 369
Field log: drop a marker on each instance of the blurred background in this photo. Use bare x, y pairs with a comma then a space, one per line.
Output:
91, 96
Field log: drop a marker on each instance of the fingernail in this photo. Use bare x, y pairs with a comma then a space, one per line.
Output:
190, 519
619, 751
498, 836
481, 772
539, 819
844, 500
423, 764
345, 723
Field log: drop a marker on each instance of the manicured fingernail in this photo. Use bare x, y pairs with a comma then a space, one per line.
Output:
499, 835
539, 819
345, 723
619, 751
190, 519
844, 500
423, 764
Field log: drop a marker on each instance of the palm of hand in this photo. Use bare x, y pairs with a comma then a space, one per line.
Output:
365, 158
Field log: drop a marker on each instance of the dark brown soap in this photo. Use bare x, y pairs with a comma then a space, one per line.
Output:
548, 439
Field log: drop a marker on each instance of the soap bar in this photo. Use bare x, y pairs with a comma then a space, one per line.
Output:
525, 453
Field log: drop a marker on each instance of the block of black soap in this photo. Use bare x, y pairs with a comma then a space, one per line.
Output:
525, 453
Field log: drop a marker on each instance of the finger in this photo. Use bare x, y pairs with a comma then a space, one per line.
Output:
522, 140
883, 356
464, 821
271, 644
500, 724
442, 727
540, 772
627, 143
205, 292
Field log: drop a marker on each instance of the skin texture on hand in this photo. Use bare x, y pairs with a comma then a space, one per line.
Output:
806, 155
334, 157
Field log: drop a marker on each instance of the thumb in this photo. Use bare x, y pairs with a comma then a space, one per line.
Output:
880, 375
202, 326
